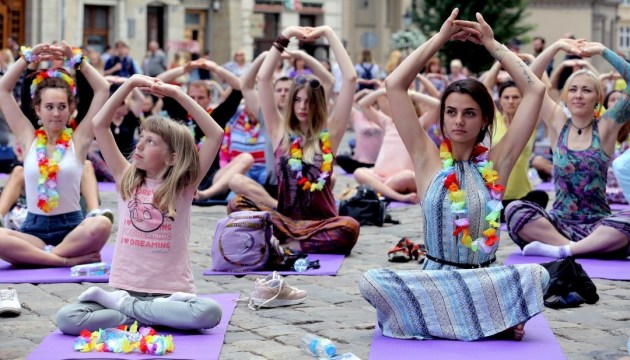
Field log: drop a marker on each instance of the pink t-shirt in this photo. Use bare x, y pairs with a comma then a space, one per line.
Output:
151, 252
369, 137
393, 156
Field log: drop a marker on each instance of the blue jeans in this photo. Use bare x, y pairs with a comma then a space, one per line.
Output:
51, 229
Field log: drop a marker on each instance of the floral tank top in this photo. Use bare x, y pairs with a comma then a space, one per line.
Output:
580, 179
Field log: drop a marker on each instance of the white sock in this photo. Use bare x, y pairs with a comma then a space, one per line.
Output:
537, 248
178, 296
111, 300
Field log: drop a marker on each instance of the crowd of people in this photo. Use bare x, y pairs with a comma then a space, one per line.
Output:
265, 136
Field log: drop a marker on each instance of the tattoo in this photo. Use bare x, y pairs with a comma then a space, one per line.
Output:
525, 72
620, 64
499, 52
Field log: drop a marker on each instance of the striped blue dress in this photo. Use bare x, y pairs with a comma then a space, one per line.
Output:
444, 301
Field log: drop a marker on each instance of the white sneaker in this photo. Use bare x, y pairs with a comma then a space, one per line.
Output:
105, 212
9, 302
273, 291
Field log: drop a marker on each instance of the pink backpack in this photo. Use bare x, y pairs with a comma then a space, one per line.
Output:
242, 241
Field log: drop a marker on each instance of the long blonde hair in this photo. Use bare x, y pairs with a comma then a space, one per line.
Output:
317, 118
178, 177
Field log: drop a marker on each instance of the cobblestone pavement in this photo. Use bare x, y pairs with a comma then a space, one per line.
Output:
334, 307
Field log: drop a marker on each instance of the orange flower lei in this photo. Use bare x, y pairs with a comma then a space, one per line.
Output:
457, 197
295, 162
48, 197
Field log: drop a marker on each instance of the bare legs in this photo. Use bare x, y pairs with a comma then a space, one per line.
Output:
81, 245
243, 185
220, 183
400, 187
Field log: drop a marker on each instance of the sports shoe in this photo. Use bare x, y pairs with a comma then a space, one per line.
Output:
9, 303
273, 291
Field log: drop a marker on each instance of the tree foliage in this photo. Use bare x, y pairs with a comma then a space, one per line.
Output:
505, 17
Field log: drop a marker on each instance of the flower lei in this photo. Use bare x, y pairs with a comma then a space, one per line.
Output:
457, 197
122, 340
53, 73
295, 162
48, 198
252, 131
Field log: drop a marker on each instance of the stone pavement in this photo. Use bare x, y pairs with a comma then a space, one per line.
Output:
334, 307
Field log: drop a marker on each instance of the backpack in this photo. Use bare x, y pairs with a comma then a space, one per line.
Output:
366, 207
367, 75
242, 241
569, 284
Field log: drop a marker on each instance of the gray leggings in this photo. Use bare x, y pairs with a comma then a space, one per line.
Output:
194, 314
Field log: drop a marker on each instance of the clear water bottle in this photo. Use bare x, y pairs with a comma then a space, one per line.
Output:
301, 264
628, 345
533, 176
318, 346
93, 269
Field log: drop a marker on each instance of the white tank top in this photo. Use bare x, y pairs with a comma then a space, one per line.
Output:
68, 182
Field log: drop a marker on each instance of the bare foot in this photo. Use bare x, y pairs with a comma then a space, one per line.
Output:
83, 259
514, 333
411, 198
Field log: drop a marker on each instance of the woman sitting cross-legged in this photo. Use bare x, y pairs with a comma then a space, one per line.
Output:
55, 232
580, 222
458, 294
305, 143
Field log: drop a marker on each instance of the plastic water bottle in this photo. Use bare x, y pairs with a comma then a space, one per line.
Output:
93, 269
533, 176
318, 346
301, 264
628, 345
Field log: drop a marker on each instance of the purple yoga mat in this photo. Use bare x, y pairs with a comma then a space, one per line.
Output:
538, 343
619, 207
595, 268
398, 204
190, 345
106, 186
11, 275
330, 265
545, 186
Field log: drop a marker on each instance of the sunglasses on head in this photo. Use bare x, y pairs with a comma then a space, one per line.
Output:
301, 80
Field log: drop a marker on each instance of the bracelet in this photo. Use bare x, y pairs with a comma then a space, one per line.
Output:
282, 41
278, 46
76, 60
27, 54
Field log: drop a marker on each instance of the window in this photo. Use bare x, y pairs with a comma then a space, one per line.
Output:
624, 37
195, 28
96, 21
625, 2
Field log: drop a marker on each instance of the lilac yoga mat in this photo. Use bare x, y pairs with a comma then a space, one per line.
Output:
330, 264
106, 186
619, 207
545, 186
595, 268
188, 345
538, 343
11, 275
398, 204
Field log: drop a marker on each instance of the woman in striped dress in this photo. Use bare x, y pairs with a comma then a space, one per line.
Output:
457, 294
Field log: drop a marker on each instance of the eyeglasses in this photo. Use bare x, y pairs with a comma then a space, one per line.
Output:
301, 80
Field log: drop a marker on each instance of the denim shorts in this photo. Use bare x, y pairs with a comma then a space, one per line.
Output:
258, 173
51, 229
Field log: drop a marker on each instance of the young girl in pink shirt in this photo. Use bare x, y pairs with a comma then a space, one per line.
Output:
151, 267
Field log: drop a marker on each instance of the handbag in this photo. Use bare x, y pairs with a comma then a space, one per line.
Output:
242, 241
366, 207
569, 284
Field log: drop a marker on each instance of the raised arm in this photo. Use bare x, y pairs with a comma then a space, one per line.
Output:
366, 104
169, 75
490, 77
231, 79
338, 121
116, 162
429, 88
271, 114
212, 131
84, 133
422, 150
19, 124
507, 151
326, 78
248, 84
619, 114
432, 106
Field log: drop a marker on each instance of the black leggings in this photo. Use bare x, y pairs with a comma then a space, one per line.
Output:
349, 165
